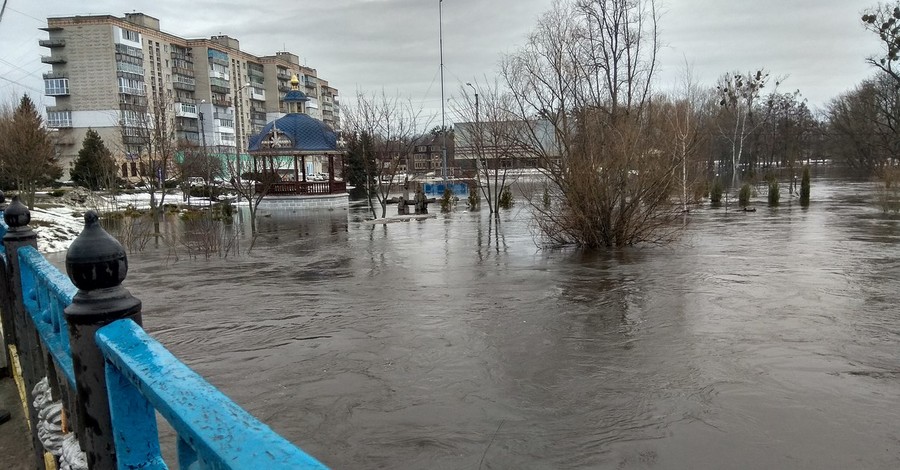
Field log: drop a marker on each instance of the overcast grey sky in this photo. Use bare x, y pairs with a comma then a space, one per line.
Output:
368, 45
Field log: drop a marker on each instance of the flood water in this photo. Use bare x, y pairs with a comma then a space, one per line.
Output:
759, 340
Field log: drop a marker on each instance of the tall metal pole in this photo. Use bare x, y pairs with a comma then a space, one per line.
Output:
478, 137
443, 114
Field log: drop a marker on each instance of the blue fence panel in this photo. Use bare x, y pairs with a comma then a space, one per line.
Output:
47, 292
213, 431
3, 229
437, 189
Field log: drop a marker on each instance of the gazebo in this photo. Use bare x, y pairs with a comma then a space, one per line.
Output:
295, 136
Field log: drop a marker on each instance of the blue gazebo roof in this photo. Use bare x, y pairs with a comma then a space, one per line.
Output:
295, 96
294, 132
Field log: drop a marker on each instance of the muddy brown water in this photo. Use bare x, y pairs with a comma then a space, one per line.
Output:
758, 340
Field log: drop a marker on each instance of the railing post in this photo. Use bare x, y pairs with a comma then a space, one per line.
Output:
19, 234
96, 263
5, 309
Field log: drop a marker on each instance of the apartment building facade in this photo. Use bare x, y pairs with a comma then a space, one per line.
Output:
109, 73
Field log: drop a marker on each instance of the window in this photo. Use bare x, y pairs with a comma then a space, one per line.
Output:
134, 169
131, 35
56, 86
131, 87
59, 118
124, 170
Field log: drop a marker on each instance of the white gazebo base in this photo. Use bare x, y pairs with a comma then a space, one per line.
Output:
322, 201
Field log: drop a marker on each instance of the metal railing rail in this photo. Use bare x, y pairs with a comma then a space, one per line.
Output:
83, 333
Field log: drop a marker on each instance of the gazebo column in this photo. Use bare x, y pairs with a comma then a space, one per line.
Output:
303, 160
330, 167
296, 172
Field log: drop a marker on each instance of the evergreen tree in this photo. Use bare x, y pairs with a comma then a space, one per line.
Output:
27, 156
95, 167
361, 162
804, 187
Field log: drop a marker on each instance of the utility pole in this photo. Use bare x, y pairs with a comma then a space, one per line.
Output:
477, 138
443, 114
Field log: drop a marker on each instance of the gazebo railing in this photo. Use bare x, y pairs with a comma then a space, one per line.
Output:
283, 188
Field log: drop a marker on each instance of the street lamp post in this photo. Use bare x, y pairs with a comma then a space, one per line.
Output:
477, 138
238, 140
443, 115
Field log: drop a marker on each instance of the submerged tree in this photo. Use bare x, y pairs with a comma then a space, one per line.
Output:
94, 168
864, 125
389, 126
737, 96
493, 138
148, 133
584, 80
27, 156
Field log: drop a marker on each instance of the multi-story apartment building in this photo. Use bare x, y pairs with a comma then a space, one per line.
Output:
109, 73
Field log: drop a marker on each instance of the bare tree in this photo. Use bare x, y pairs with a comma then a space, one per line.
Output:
390, 125
884, 21
149, 133
262, 179
864, 125
687, 126
494, 137
737, 95
586, 74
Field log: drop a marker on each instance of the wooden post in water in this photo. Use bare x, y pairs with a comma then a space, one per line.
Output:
96, 263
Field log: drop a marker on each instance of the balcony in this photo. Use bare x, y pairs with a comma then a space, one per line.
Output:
183, 71
219, 89
183, 86
221, 102
187, 127
52, 43
53, 59
133, 100
221, 75
257, 94
59, 119
187, 110
52, 75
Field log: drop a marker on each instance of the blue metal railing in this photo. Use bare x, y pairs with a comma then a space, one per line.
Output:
46, 292
142, 375
437, 189
142, 378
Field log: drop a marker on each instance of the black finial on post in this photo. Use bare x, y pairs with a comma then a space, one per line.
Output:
16, 214
97, 264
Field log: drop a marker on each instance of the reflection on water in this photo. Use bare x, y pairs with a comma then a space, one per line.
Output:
759, 340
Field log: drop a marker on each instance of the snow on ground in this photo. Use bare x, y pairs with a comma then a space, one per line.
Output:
57, 221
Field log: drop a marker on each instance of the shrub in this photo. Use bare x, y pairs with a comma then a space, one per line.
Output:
56, 193
211, 192
474, 199
506, 198
774, 195
715, 192
744, 196
446, 200
804, 187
